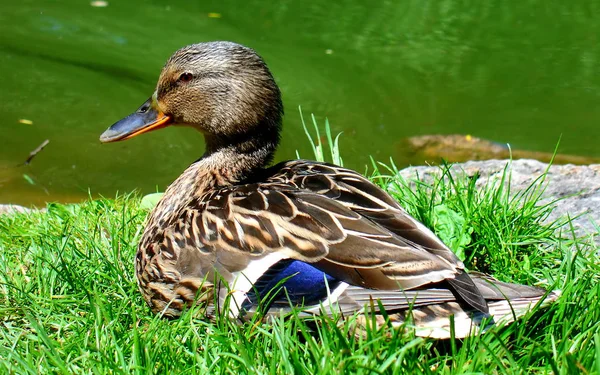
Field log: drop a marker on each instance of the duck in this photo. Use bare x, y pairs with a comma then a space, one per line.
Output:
239, 236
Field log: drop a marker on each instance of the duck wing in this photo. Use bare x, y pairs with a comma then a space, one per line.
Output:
329, 217
360, 195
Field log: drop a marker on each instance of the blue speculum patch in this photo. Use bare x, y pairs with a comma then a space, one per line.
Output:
290, 282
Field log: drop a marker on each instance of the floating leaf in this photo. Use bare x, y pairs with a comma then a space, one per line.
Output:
99, 4
25, 121
29, 179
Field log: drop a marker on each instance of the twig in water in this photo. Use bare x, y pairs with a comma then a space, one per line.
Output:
33, 153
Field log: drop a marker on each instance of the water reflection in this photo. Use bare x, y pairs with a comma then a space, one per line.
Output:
519, 73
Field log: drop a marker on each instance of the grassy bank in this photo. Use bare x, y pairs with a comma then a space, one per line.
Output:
69, 301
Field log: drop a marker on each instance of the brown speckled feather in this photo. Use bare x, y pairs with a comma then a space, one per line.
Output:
227, 225
314, 212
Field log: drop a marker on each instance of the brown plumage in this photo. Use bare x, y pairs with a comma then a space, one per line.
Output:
227, 225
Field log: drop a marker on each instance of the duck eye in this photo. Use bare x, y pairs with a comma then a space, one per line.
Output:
186, 77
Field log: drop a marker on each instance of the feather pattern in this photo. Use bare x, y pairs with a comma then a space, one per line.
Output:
307, 211
300, 233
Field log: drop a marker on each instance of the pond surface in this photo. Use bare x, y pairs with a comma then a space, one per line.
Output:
522, 73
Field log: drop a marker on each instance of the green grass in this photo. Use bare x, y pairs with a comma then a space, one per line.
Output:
69, 301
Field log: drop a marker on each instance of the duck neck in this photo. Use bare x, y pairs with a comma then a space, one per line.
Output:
227, 161
234, 159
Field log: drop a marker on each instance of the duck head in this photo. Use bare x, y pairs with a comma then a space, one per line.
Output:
222, 89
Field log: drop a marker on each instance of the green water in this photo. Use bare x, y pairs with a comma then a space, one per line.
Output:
518, 72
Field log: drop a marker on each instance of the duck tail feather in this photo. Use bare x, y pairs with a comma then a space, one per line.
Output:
467, 291
435, 320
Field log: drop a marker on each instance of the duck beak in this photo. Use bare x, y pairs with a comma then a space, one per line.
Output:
145, 119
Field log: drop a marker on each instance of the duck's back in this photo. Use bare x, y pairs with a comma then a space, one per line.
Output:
317, 213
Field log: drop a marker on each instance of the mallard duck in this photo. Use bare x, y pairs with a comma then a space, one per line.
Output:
326, 236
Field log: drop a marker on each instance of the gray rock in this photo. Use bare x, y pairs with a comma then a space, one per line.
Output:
578, 186
12, 208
